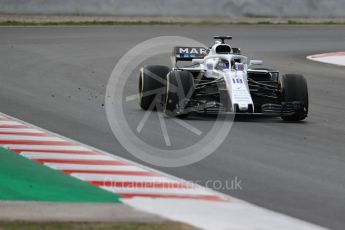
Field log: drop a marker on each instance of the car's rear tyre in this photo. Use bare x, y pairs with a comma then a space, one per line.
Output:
151, 85
294, 89
179, 89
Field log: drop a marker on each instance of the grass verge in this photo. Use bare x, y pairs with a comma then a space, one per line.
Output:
178, 23
26, 180
94, 226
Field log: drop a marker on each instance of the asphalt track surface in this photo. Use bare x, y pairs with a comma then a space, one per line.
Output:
56, 77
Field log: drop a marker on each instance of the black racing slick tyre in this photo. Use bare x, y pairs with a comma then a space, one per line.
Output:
179, 89
294, 89
152, 85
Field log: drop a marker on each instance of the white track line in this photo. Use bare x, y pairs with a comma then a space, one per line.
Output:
9, 123
60, 152
238, 215
45, 147
28, 138
20, 130
34, 155
158, 191
121, 178
61, 166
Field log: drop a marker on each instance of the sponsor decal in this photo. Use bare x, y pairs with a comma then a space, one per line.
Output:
192, 50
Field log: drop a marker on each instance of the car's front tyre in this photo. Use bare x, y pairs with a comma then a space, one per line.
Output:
294, 89
151, 85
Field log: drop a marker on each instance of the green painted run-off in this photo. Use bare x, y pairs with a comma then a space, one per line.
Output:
24, 179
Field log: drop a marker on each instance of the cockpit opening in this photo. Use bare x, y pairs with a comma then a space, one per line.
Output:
223, 49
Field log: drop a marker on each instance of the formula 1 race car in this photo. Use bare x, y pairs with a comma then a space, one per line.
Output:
221, 80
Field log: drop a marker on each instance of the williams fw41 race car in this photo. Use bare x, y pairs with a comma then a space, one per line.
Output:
221, 80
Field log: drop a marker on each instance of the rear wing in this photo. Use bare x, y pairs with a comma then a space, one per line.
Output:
189, 53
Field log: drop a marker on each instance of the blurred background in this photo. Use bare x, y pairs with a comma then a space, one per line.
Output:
179, 8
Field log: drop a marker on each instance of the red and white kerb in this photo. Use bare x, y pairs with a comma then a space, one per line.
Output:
101, 169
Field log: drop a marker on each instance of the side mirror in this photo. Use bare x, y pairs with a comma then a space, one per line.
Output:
255, 62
